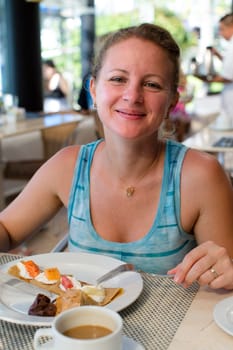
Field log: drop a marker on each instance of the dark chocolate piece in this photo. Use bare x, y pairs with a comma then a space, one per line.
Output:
42, 306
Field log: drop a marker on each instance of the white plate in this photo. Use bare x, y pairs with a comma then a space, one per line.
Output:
223, 315
128, 344
86, 267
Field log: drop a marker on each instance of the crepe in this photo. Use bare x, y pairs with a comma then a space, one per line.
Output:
54, 288
71, 297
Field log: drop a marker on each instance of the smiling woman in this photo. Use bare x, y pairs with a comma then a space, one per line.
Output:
161, 81
132, 195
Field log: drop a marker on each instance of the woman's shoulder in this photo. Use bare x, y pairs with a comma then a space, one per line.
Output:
199, 158
69, 155
203, 168
62, 161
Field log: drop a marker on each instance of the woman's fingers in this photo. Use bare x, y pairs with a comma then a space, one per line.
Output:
209, 264
194, 264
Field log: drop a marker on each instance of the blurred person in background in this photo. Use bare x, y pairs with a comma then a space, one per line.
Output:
55, 87
84, 99
226, 75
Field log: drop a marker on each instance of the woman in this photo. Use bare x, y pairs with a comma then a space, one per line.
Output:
134, 196
55, 84
55, 87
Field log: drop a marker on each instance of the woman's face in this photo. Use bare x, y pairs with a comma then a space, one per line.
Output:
133, 89
47, 71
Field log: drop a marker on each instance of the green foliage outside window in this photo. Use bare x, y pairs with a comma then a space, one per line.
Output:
162, 17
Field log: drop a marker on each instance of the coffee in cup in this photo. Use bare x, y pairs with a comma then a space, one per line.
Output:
83, 328
88, 331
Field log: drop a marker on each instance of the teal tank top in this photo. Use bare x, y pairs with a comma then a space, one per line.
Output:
162, 248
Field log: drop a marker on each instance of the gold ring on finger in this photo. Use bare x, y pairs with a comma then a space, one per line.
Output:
214, 272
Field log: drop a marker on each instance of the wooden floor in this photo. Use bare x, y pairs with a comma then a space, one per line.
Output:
46, 239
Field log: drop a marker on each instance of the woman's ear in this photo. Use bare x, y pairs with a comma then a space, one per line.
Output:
93, 89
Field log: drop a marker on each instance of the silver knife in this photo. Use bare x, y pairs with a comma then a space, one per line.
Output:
115, 272
18, 285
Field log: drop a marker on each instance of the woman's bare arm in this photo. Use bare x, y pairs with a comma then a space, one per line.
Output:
45, 193
64, 86
209, 196
212, 195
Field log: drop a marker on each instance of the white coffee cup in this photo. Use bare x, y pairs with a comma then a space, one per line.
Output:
79, 316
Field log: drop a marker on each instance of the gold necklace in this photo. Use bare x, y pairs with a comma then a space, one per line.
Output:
130, 190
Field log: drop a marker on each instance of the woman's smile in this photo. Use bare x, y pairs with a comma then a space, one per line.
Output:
130, 114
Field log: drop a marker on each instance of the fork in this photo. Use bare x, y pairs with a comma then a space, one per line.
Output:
115, 272
127, 267
163, 275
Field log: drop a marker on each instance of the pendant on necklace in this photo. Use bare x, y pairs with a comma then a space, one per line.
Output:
130, 191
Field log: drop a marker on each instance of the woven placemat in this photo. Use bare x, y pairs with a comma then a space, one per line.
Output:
155, 317
152, 320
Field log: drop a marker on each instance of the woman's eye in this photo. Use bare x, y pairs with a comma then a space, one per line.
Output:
153, 86
117, 79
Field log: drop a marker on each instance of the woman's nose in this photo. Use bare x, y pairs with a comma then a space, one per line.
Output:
133, 94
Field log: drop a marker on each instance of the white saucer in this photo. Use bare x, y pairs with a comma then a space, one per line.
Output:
128, 344
223, 315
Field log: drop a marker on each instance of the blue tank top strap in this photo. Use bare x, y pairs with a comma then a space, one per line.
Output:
174, 161
81, 177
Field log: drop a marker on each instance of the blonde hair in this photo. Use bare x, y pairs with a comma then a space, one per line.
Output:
146, 31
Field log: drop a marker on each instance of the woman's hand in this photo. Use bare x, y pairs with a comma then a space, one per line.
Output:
208, 264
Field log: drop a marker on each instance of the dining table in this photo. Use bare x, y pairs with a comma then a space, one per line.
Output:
165, 316
45, 124
214, 140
